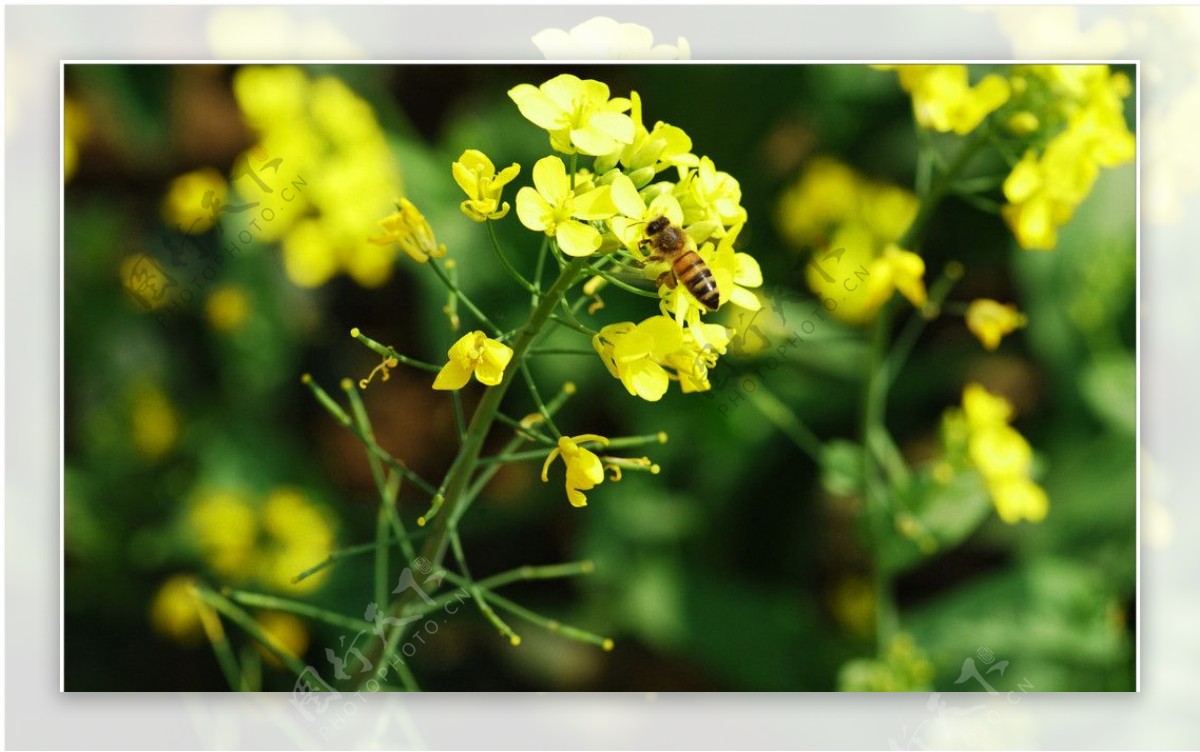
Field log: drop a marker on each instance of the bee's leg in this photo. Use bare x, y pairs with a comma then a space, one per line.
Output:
667, 278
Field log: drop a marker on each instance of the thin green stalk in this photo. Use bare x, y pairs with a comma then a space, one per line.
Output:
388, 486
386, 352
526, 433
539, 269
785, 419
463, 468
613, 280
572, 323
537, 400
454, 288
275, 603
548, 572
234, 674
477, 594
344, 553
251, 627
381, 556
508, 267
551, 625
911, 332
460, 423
341, 417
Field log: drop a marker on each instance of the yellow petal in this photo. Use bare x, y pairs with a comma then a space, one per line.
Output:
576, 238
532, 209
550, 179
538, 108
454, 375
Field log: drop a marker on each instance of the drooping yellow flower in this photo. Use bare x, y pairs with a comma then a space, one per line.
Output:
635, 354
990, 320
998, 451
194, 200
702, 345
552, 207
409, 229
474, 353
227, 308
478, 178
1019, 499
944, 100
578, 114
584, 469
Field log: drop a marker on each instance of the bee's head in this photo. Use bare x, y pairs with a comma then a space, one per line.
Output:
655, 226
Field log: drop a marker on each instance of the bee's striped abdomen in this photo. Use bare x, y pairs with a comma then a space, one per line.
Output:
697, 278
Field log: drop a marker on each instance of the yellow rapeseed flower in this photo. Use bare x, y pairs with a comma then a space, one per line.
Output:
193, 200
999, 452
990, 320
225, 528
409, 229
175, 610
651, 150
944, 100
227, 308
155, 426
286, 632
635, 354
478, 178
474, 353
711, 197
584, 469
578, 114
552, 207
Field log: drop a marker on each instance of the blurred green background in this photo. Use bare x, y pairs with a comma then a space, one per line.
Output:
193, 449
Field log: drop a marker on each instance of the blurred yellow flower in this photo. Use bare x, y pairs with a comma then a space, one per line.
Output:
859, 276
904, 667
298, 536
175, 610
227, 308
319, 177
552, 207
154, 424
944, 100
285, 632
578, 114
584, 469
76, 129
1044, 188
478, 178
475, 353
225, 529
409, 229
193, 200
990, 320
999, 452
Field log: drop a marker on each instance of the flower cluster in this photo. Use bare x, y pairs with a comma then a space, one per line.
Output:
268, 542
1068, 120
853, 226
1083, 107
979, 434
325, 138
602, 211
945, 101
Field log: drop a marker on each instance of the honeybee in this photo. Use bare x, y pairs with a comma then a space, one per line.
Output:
671, 244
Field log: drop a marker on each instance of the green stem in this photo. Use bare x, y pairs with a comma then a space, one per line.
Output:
477, 594
785, 420
549, 572
459, 475
275, 603
251, 627
537, 400
458, 293
508, 267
